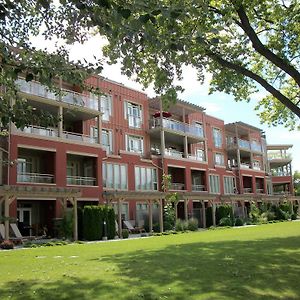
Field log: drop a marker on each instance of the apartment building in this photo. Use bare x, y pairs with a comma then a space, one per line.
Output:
114, 148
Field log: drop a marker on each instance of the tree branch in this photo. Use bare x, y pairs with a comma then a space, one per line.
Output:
260, 48
242, 70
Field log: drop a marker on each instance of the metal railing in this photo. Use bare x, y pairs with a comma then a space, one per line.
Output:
177, 126
198, 188
79, 137
278, 155
247, 190
38, 130
81, 180
195, 157
35, 177
177, 186
70, 97
174, 153
259, 191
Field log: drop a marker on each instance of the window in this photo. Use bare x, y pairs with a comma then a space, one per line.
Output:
200, 154
133, 112
134, 144
105, 107
217, 137
124, 210
106, 138
214, 184
229, 185
145, 179
219, 159
114, 176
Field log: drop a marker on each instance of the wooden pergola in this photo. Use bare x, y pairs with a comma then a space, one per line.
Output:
8, 193
148, 196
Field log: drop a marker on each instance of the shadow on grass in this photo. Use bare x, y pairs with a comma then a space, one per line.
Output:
265, 269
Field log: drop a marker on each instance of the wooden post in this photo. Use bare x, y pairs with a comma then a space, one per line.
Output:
150, 210
75, 233
119, 218
232, 207
185, 209
243, 209
203, 214
176, 210
60, 122
161, 219
6, 215
214, 213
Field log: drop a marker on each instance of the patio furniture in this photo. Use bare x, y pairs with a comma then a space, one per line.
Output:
132, 229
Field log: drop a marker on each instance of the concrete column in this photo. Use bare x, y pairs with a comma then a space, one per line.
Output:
60, 122
150, 211
203, 214
161, 219
120, 218
6, 215
75, 233
214, 213
185, 144
99, 129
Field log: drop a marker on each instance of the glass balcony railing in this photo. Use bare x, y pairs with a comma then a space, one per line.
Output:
174, 153
279, 155
255, 146
244, 144
177, 126
198, 188
177, 186
81, 180
40, 131
70, 97
79, 137
25, 177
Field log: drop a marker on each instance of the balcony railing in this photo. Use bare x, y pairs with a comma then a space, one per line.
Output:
81, 180
38, 130
255, 146
174, 153
34, 177
247, 190
177, 186
259, 191
79, 137
281, 173
70, 97
278, 155
198, 188
177, 126
244, 144
245, 166
195, 157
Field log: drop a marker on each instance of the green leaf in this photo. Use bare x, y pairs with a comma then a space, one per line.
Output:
144, 18
125, 13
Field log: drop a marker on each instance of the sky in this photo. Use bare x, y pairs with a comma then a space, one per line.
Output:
219, 105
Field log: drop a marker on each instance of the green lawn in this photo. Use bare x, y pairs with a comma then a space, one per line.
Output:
261, 262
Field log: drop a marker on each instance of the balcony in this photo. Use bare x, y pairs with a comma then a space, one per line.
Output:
259, 191
255, 146
52, 132
280, 156
81, 180
176, 186
177, 127
197, 158
24, 177
247, 190
69, 97
198, 188
244, 144
245, 166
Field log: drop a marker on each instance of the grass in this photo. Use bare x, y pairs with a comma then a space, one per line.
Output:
261, 262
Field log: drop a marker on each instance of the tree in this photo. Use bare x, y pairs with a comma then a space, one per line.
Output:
296, 180
243, 44
19, 21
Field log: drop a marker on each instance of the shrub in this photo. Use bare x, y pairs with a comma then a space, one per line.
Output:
294, 216
223, 211
268, 215
181, 225
209, 221
193, 224
254, 213
6, 245
238, 222
156, 227
225, 222
169, 216
125, 233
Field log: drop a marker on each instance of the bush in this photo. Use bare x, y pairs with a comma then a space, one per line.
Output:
254, 213
125, 233
238, 222
181, 225
294, 216
156, 227
193, 224
169, 216
209, 221
223, 211
225, 222
6, 245
268, 216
